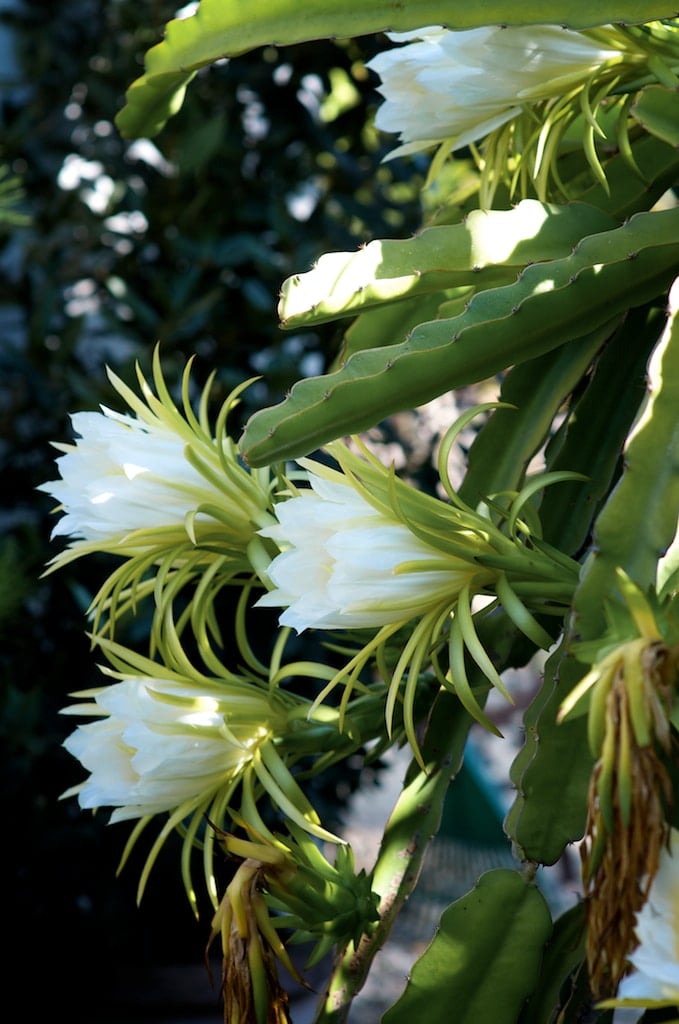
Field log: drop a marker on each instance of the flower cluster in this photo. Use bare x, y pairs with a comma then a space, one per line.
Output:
171, 500
349, 549
418, 601
356, 550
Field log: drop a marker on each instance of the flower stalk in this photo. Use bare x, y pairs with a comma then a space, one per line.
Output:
415, 820
250, 987
413, 823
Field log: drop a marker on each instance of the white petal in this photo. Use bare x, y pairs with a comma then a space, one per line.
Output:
124, 474
163, 743
459, 86
656, 958
342, 568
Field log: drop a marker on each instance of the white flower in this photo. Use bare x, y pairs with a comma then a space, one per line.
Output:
124, 475
154, 478
360, 548
166, 743
460, 86
349, 564
655, 960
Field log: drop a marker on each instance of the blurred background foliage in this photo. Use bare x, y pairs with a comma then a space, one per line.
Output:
107, 247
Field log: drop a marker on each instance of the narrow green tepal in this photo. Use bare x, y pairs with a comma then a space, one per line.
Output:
226, 28
550, 304
484, 961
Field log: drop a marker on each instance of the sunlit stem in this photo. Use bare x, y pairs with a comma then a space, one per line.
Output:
414, 821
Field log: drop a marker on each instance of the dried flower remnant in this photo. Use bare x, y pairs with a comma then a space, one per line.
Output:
329, 905
627, 827
630, 801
